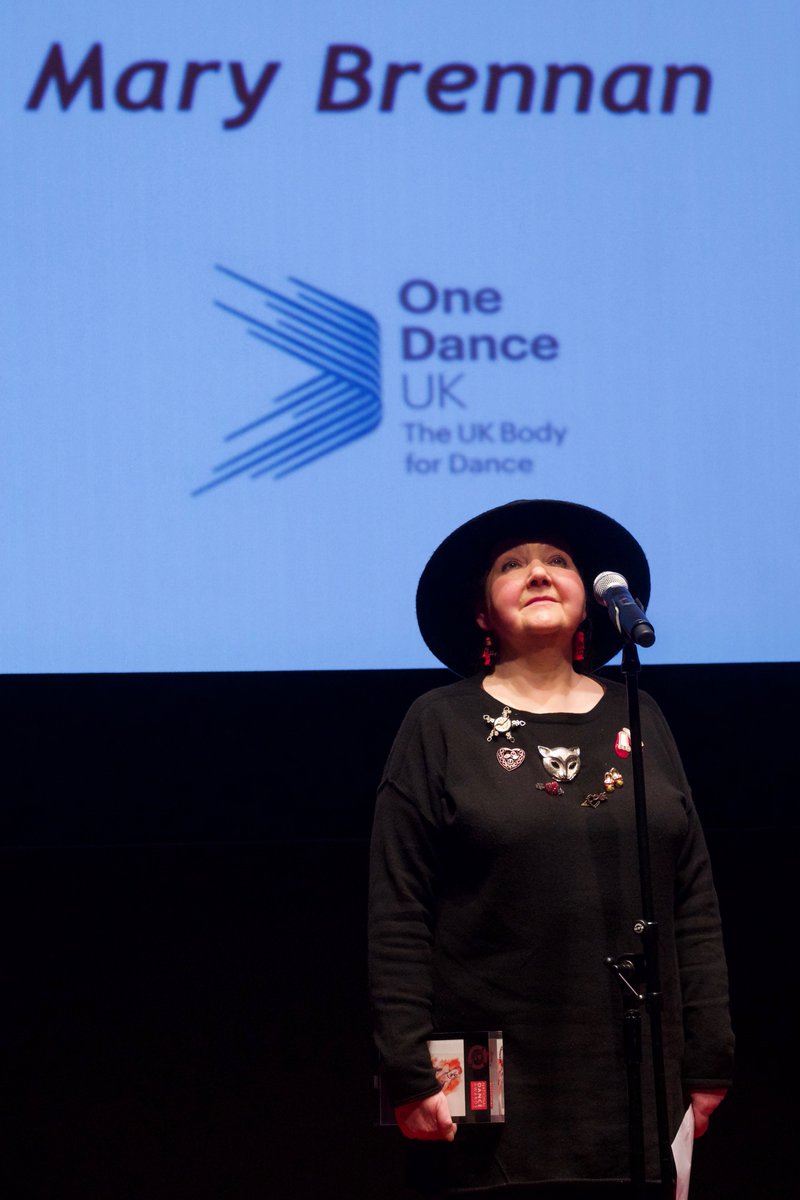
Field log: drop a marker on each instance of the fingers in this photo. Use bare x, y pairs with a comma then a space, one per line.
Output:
700, 1125
703, 1105
426, 1120
446, 1128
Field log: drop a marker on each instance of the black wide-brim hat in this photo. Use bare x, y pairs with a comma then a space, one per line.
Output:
450, 586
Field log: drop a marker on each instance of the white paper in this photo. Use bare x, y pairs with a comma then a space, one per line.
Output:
682, 1153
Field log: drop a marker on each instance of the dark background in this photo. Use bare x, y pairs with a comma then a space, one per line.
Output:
183, 891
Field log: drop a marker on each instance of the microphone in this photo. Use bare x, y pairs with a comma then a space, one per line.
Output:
611, 590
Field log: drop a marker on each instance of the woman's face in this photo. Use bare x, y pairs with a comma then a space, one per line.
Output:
533, 596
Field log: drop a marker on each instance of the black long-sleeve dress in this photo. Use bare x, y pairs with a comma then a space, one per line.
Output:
493, 905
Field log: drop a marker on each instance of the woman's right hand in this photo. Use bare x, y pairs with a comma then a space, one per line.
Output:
428, 1120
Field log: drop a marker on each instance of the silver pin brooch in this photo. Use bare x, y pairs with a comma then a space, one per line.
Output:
502, 724
561, 762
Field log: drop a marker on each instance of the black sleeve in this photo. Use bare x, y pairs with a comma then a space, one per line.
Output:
703, 974
708, 1047
401, 916
404, 865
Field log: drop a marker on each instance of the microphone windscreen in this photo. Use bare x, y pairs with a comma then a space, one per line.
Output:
605, 581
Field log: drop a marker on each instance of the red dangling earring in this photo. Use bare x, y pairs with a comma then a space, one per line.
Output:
579, 646
489, 652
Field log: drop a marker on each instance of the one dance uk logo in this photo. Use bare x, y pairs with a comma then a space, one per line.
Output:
339, 403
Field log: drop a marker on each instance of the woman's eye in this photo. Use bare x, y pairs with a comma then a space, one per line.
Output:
509, 564
559, 560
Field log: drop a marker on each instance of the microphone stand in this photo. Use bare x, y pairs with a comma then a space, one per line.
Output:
639, 978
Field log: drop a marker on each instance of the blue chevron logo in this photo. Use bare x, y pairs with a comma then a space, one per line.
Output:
338, 404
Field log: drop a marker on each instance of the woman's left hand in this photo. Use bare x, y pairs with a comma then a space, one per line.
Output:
703, 1105
427, 1119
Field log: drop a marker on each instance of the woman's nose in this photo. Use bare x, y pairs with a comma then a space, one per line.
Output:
537, 572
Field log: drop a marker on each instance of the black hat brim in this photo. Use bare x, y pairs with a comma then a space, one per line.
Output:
448, 590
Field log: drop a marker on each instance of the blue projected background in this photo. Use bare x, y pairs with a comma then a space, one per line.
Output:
292, 289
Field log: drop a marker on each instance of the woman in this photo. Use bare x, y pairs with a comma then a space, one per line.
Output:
505, 871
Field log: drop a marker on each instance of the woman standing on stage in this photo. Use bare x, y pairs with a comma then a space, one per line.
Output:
505, 869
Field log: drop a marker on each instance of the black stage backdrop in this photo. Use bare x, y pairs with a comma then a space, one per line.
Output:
184, 875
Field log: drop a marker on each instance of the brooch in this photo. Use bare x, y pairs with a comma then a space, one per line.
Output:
611, 781
551, 787
562, 762
502, 724
510, 757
